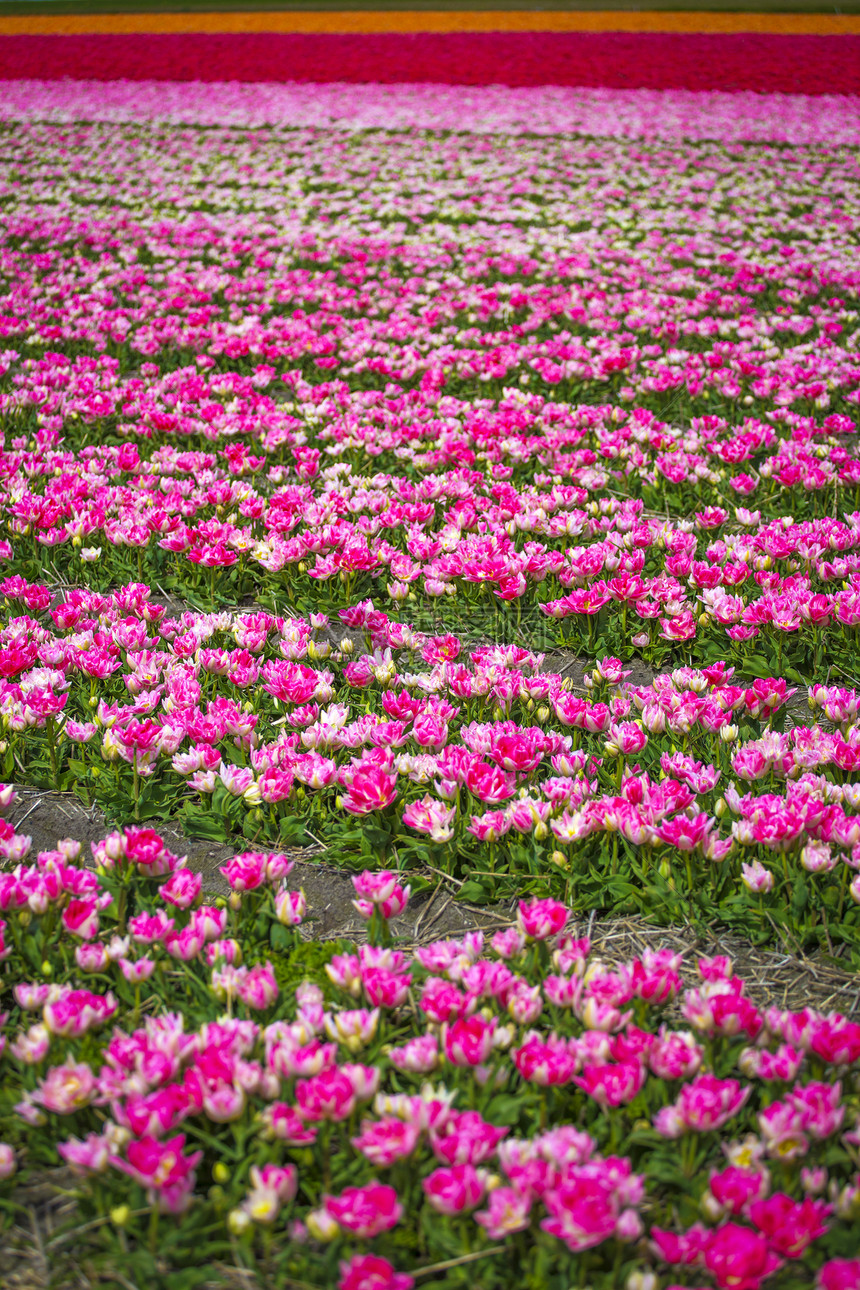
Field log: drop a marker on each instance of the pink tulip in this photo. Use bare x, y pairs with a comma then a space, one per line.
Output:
66, 1089
162, 1169
370, 1272
839, 1274
182, 888
540, 919
738, 1258
326, 1096
383, 1142
468, 1041
365, 1211
454, 1190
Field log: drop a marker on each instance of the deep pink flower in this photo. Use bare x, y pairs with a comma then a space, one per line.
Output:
162, 1169
738, 1258
455, 1189
365, 1211
790, 1226
370, 1272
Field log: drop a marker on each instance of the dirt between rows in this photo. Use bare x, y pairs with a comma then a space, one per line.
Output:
774, 977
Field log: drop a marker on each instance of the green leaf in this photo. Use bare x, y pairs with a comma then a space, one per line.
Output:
505, 1109
281, 937
474, 893
377, 837
292, 830
198, 825
799, 896
221, 799
757, 665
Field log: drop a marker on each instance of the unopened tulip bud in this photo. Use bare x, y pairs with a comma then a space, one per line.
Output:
813, 1181
711, 1207
120, 1214
729, 734
642, 1281
238, 1221
321, 1226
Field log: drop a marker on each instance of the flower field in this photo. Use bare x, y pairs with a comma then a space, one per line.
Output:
464, 484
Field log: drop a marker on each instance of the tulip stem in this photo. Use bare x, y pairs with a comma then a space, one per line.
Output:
52, 750
153, 1228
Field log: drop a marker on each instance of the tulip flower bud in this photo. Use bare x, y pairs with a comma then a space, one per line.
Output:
642, 1281
322, 1226
559, 858
47, 969
220, 1172
120, 1214
25, 918
720, 808
238, 1221
711, 1207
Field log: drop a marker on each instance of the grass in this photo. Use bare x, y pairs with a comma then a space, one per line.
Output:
9, 8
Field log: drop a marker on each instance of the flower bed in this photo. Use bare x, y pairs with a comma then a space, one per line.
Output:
485, 508
633, 447
517, 1103
678, 799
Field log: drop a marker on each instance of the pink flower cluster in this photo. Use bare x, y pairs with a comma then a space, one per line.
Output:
531, 1014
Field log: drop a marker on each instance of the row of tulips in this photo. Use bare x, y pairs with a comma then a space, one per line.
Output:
732, 117
780, 63
691, 794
